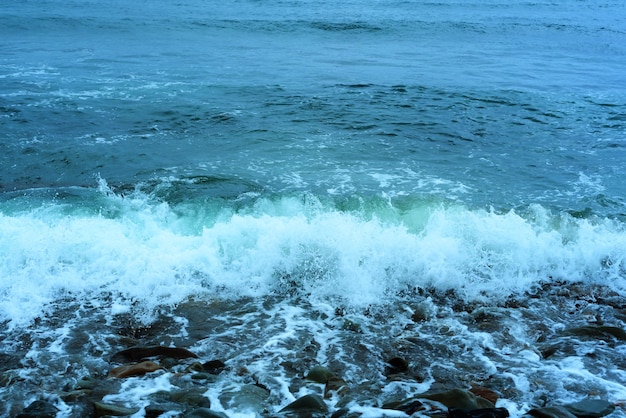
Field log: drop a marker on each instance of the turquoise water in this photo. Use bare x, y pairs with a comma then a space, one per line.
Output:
347, 154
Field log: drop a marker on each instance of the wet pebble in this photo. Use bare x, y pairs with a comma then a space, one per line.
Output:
458, 398
104, 409
319, 374
39, 409
550, 412
138, 369
306, 405
205, 413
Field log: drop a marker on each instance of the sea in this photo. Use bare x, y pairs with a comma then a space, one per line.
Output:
416, 195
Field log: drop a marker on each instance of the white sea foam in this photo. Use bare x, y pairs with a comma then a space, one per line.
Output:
149, 253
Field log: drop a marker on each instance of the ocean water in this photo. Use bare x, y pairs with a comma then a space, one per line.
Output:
282, 183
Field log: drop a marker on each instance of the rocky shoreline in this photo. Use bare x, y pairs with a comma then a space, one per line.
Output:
331, 396
247, 359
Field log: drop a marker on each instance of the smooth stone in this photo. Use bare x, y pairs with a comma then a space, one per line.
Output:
307, 403
192, 397
205, 413
247, 397
551, 412
87, 383
319, 374
457, 398
103, 409
140, 353
39, 409
157, 409
590, 408
208, 377
73, 395
478, 413
408, 406
138, 369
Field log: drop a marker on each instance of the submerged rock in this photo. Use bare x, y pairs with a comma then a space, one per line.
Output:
205, 413
604, 333
8, 377
214, 366
103, 409
140, 353
155, 410
550, 412
138, 369
307, 405
247, 397
39, 409
458, 398
396, 365
590, 408
478, 413
408, 406
319, 374
335, 385
193, 397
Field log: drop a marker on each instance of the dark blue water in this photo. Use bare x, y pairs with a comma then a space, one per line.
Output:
343, 152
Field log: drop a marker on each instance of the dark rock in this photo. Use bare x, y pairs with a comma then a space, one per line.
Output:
319, 374
549, 350
140, 353
39, 409
205, 413
408, 406
396, 365
340, 413
103, 409
605, 333
590, 408
478, 413
551, 412
345, 413
155, 410
138, 369
306, 405
457, 398
214, 366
